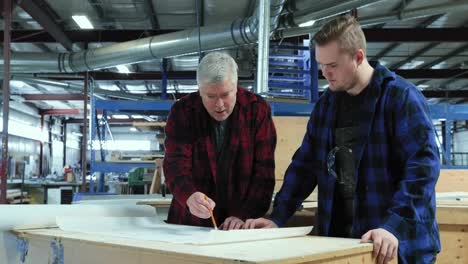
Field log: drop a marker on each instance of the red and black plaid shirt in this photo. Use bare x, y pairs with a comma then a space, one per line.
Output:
190, 158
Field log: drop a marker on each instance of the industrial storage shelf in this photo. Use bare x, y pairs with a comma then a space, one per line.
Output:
121, 167
118, 106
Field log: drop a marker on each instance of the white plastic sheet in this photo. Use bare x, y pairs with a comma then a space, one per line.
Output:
153, 229
44, 215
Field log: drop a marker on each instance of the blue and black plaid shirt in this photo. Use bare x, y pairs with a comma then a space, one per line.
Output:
397, 170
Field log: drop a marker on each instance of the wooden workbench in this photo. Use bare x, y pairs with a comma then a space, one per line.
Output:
452, 218
163, 202
86, 248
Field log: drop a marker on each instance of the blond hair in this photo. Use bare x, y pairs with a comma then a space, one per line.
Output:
346, 31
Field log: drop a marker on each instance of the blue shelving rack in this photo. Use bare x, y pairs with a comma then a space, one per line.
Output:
438, 111
114, 106
293, 72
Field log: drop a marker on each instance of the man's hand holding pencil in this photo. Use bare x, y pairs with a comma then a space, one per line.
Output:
201, 206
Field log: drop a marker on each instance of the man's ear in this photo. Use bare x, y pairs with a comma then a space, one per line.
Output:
359, 56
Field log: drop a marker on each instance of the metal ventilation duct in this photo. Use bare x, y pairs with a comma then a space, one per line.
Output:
239, 32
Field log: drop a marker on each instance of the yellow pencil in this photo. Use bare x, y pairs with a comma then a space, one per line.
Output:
212, 217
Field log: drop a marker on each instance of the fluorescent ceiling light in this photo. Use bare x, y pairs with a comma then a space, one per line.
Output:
24, 15
78, 134
83, 22
412, 64
112, 87
307, 24
148, 118
122, 69
18, 84
120, 116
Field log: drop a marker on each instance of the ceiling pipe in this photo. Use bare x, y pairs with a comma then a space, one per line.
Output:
79, 88
237, 33
51, 75
263, 47
312, 13
313, 6
383, 18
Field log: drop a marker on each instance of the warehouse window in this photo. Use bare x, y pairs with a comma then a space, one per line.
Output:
26, 131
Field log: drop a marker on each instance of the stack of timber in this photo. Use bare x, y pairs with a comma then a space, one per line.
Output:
143, 158
14, 196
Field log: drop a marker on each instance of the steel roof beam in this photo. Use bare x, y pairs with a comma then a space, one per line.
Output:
386, 50
399, 7
456, 77
426, 93
429, 73
416, 54
372, 35
445, 93
53, 97
191, 75
453, 53
416, 34
59, 111
95, 35
38, 13
96, 5
151, 13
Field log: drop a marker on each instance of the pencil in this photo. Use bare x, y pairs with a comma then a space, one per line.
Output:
212, 217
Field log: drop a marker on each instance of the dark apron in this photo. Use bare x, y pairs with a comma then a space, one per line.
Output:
345, 188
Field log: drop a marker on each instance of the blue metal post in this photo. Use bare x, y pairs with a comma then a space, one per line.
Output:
91, 148
103, 134
85, 137
448, 142
101, 180
305, 65
313, 76
164, 79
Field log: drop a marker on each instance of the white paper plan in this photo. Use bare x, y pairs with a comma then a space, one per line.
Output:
28, 216
153, 229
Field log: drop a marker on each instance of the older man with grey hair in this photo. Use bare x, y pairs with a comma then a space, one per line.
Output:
220, 144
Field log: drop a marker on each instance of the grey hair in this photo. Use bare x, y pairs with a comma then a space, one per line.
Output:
217, 67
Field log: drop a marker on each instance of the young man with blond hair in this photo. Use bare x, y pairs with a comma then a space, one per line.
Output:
370, 149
